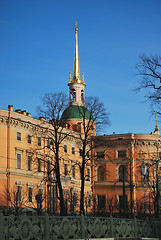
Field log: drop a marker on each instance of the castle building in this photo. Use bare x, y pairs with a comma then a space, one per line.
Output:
114, 181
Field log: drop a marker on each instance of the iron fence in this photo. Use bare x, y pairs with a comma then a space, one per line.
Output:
77, 227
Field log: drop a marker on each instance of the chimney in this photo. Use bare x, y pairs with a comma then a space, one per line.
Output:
23, 112
28, 114
18, 110
42, 119
10, 108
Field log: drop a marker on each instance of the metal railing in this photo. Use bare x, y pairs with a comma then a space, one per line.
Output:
77, 227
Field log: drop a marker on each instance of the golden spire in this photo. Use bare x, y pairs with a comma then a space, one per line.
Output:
156, 131
76, 75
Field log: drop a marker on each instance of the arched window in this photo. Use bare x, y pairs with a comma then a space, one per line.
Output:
101, 174
121, 173
82, 95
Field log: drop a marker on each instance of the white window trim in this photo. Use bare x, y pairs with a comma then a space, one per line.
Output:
16, 160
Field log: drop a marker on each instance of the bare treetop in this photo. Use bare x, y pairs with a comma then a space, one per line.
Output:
53, 105
149, 70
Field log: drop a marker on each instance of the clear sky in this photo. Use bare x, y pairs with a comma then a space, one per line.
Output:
37, 53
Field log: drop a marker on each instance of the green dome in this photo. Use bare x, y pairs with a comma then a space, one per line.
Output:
75, 111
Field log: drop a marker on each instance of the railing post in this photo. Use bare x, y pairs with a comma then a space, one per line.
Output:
1, 226
82, 226
135, 227
112, 226
46, 227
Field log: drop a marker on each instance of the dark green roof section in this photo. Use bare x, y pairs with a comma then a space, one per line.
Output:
75, 111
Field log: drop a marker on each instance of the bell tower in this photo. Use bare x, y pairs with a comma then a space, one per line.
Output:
76, 85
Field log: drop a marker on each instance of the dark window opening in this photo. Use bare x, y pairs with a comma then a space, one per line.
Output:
101, 202
121, 154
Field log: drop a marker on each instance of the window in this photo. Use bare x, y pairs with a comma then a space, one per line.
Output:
101, 202
80, 152
48, 143
29, 139
19, 156
19, 194
65, 169
146, 177
39, 164
30, 194
88, 175
40, 193
121, 154
75, 199
89, 201
65, 149
48, 166
29, 163
18, 136
73, 171
100, 155
39, 141
121, 173
73, 150
101, 174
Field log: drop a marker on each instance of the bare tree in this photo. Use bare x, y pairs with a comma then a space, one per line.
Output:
94, 118
17, 200
53, 105
149, 70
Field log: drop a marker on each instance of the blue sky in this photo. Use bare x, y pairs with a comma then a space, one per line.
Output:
37, 53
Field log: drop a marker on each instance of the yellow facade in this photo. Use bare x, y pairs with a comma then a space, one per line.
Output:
23, 162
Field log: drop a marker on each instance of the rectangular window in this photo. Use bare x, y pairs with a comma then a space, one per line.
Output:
89, 201
48, 143
73, 171
100, 155
29, 163
29, 139
19, 194
39, 164
39, 141
80, 152
19, 156
73, 150
121, 154
18, 136
65, 169
65, 149
101, 202
88, 175
75, 199
48, 166
40, 193
30, 194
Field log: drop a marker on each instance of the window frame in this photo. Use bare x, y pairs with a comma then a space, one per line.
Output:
18, 164
29, 139
73, 150
122, 153
39, 164
19, 194
65, 169
19, 138
29, 168
39, 141
65, 148
30, 197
